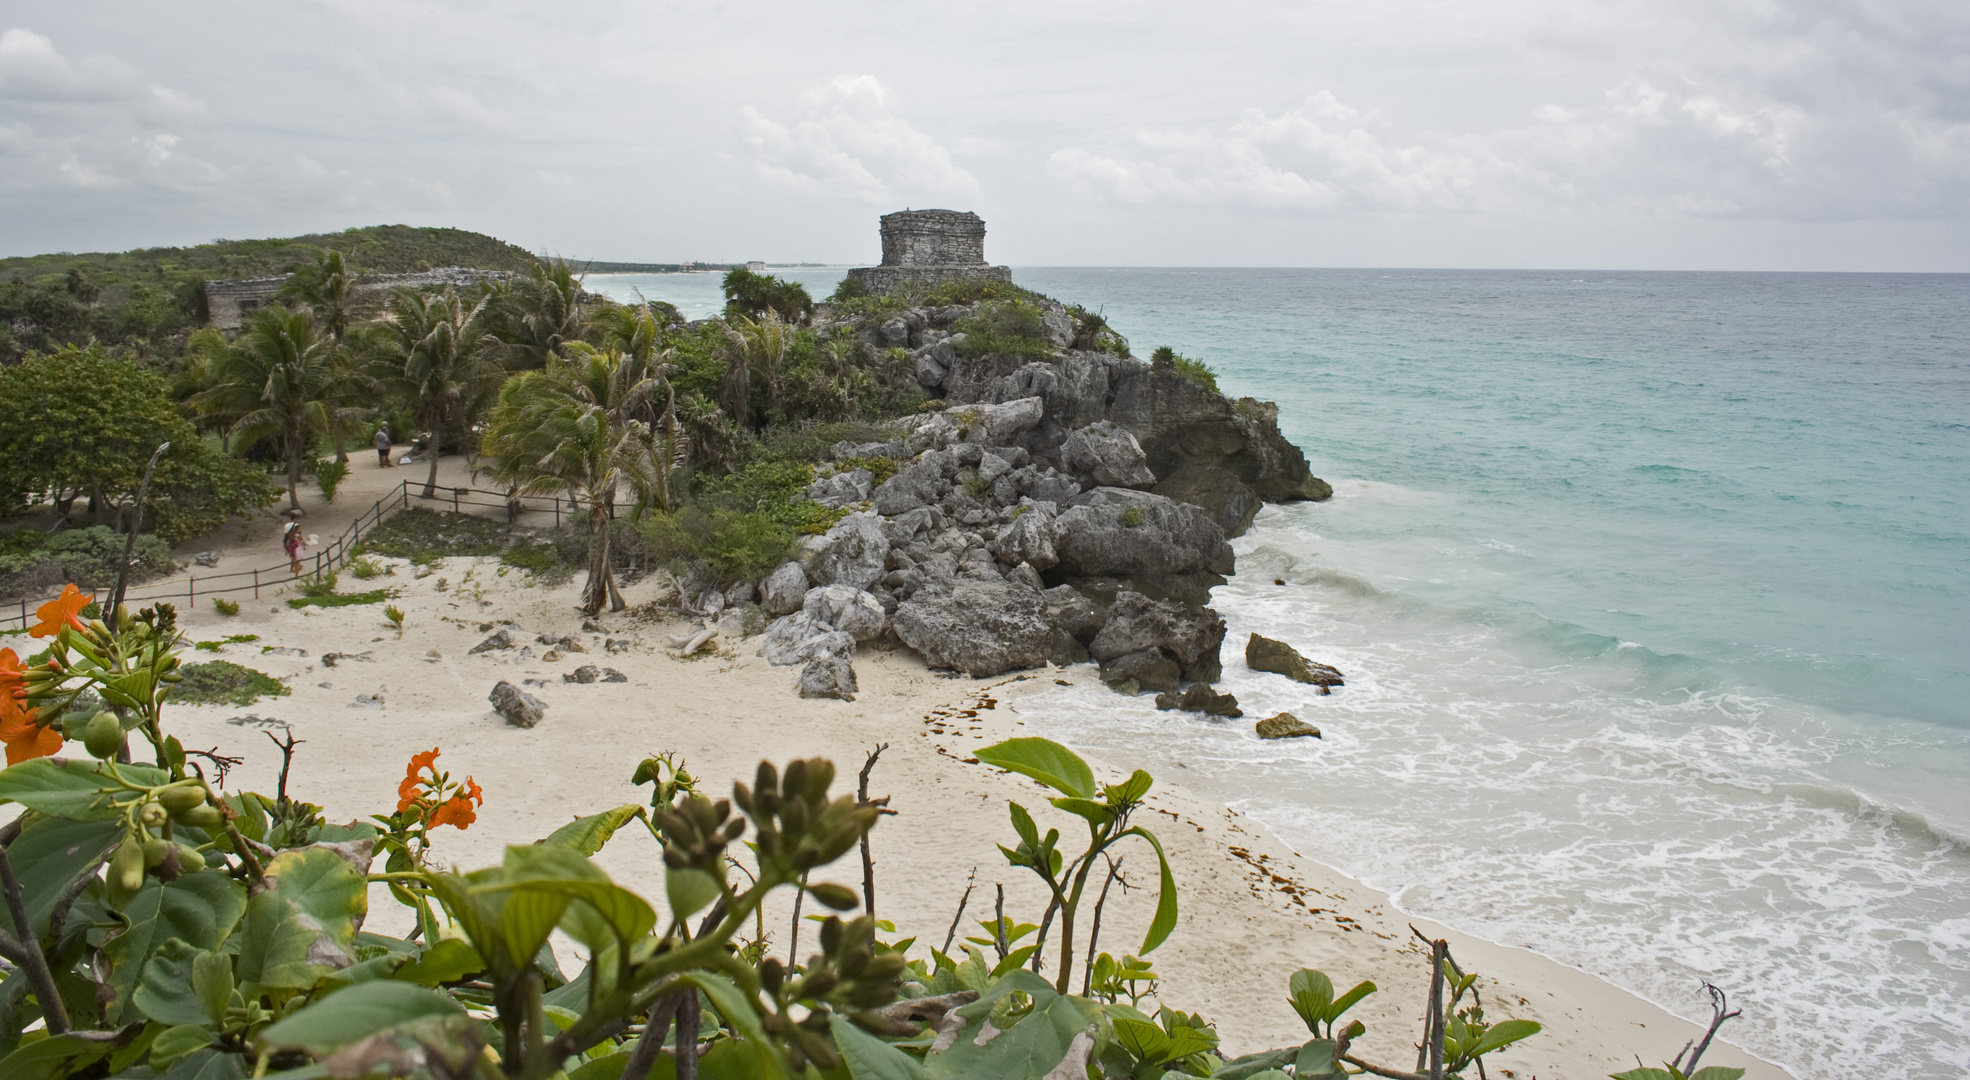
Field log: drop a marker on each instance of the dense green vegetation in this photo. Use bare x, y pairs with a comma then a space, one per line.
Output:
222, 682
149, 299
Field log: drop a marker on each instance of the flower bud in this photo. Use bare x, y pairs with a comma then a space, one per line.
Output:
177, 800
202, 817
189, 859
152, 815
126, 867
104, 735
155, 849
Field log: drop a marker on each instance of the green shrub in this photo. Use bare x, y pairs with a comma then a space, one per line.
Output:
736, 545
816, 442
425, 536
882, 468
1194, 370
221, 682
329, 476
224, 606
753, 295
321, 586
362, 568
974, 485
541, 559
234, 639
1004, 328
89, 557
375, 596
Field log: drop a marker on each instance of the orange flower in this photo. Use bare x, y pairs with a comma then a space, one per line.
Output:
24, 738
10, 673
59, 612
407, 788
456, 810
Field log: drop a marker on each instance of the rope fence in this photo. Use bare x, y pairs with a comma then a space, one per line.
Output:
329, 557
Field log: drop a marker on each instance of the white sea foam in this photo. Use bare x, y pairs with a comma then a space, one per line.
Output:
1598, 805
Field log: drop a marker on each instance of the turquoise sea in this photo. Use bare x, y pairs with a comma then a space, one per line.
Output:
1653, 594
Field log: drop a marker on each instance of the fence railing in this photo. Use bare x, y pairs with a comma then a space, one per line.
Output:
330, 556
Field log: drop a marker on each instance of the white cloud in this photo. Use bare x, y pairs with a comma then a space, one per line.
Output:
847, 138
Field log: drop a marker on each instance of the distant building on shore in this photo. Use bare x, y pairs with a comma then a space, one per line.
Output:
227, 302
930, 247
756, 267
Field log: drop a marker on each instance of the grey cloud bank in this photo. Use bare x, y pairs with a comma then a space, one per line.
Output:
1796, 134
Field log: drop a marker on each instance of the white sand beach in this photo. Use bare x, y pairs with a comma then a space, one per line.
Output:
1252, 910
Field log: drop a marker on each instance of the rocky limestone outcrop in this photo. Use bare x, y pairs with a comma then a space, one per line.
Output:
1200, 698
1285, 726
518, 707
1266, 654
978, 627
1138, 631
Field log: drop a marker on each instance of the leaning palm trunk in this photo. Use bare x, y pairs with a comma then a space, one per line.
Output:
601, 586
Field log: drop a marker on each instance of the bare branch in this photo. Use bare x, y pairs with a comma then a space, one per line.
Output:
955, 919
1094, 933
27, 952
868, 862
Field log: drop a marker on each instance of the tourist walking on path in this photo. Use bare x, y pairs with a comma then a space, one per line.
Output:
291, 542
383, 446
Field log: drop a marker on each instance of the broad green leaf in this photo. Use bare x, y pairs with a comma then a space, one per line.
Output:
1316, 1059
1022, 823
303, 927
1143, 1040
869, 1058
1032, 1048
1717, 1072
55, 1056
356, 1013
1014, 960
1185, 1041
218, 1065
323, 885
447, 961
74, 789
733, 1004
1310, 992
689, 891
606, 1068
1044, 760
1255, 1066
1644, 1074
1130, 790
572, 994
734, 1059
588, 834
1166, 896
198, 909
212, 982
48, 856
1504, 1034
1097, 813
178, 1042
164, 992
1349, 1000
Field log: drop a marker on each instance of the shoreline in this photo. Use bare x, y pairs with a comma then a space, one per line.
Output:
1242, 892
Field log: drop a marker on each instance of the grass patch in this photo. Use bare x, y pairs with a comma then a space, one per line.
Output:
534, 559
1131, 516
882, 468
425, 536
221, 683
224, 606
362, 568
374, 596
1195, 370
235, 639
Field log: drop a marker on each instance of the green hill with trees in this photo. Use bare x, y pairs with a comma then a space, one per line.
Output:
149, 299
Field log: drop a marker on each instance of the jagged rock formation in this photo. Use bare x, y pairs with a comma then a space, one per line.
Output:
1057, 510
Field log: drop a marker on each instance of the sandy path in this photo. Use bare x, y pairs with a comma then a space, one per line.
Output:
1252, 911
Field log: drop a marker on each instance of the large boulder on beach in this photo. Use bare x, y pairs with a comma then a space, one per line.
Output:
518, 707
784, 590
1267, 654
800, 637
978, 627
1188, 637
1028, 538
1116, 532
1106, 454
848, 609
1144, 669
1285, 726
828, 677
853, 552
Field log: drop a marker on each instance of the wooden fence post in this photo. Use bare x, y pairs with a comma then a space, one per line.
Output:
256, 584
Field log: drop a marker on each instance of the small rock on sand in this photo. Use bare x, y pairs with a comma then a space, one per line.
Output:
1199, 697
520, 708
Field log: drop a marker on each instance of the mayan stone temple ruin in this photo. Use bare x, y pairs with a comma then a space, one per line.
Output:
930, 247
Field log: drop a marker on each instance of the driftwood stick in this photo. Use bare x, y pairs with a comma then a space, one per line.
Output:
1437, 950
868, 862
1094, 932
952, 935
1378, 1070
26, 951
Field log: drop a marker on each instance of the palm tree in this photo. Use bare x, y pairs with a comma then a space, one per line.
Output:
538, 314
756, 348
567, 430
330, 289
279, 379
436, 354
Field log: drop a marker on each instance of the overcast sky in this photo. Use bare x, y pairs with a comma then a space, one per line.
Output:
1668, 134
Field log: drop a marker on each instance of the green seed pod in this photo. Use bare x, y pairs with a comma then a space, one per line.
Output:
189, 859
202, 817
155, 849
103, 737
126, 867
152, 815
177, 800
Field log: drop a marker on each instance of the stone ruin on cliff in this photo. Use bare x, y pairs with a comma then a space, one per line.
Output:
929, 247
